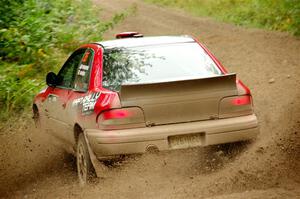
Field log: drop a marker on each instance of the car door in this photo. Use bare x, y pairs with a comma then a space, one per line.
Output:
58, 97
79, 102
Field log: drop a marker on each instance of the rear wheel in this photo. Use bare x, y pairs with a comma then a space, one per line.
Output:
85, 168
235, 148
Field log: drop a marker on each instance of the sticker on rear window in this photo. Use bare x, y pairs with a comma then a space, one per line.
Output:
86, 56
82, 70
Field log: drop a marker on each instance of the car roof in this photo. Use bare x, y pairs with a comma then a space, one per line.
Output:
145, 41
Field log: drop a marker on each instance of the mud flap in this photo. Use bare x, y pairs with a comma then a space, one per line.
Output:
100, 169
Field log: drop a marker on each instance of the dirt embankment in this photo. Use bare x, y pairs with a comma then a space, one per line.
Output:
33, 166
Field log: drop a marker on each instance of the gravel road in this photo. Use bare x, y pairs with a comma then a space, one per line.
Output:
33, 166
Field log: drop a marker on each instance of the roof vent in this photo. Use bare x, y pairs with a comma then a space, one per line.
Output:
128, 35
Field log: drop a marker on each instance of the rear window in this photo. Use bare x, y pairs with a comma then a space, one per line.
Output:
158, 63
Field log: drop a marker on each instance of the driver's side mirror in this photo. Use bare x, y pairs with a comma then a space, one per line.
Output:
51, 79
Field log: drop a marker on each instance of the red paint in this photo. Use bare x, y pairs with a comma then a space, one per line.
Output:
217, 62
243, 86
106, 101
96, 73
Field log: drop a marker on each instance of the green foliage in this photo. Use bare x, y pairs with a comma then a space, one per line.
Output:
16, 93
36, 36
282, 15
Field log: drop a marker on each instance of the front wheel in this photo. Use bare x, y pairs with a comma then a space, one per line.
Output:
36, 117
85, 168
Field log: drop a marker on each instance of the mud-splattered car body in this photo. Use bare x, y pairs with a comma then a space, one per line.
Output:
125, 104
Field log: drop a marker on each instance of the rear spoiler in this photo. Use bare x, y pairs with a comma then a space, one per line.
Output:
223, 83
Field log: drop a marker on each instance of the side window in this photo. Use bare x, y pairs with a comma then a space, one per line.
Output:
83, 72
66, 75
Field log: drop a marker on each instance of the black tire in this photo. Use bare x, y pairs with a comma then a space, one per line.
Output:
85, 168
235, 148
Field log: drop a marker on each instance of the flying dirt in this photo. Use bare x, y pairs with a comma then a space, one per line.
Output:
32, 165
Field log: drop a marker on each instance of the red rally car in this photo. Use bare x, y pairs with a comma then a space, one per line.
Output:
137, 94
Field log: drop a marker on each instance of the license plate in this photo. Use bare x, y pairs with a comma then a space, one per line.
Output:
186, 141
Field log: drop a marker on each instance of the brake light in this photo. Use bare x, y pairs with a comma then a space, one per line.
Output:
121, 119
116, 114
235, 106
241, 100
128, 35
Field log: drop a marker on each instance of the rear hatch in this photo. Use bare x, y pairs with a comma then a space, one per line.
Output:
179, 101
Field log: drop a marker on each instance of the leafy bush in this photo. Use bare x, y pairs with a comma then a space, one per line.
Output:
282, 15
36, 36
16, 93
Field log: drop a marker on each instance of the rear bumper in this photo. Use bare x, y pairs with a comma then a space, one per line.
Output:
129, 141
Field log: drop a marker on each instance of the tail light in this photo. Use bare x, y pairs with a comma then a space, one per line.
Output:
235, 106
241, 100
121, 119
128, 35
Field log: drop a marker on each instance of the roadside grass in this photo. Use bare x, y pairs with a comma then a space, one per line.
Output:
280, 15
37, 37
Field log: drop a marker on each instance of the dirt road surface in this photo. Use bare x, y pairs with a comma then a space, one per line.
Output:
32, 165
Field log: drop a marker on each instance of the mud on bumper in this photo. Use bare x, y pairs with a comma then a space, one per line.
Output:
172, 136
